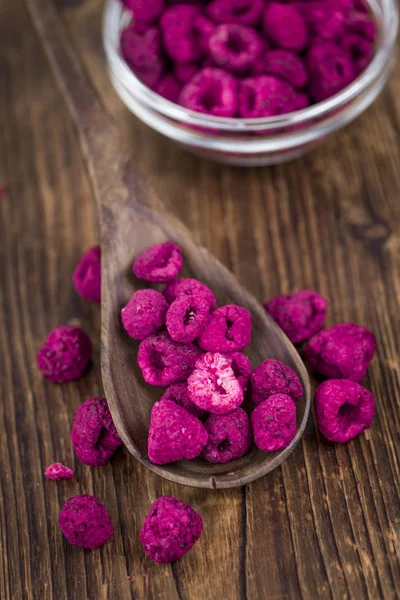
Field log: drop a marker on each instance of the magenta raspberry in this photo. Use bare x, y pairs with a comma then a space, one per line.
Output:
283, 64
188, 287
284, 26
344, 409
211, 91
142, 49
265, 96
87, 275
243, 12
58, 471
65, 354
241, 367
171, 529
144, 314
235, 47
85, 522
178, 392
145, 11
274, 423
228, 330
331, 69
182, 33
274, 377
229, 436
187, 317
160, 263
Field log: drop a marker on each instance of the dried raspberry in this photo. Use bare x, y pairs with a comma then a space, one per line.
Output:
188, 287
94, 436
330, 68
185, 33
65, 354
325, 20
58, 471
170, 88
274, 377
235, 47
300, 101
241, 367
344, 409
144, 314
361, 51
361, 24
185, 72
213, 386
274, 423
228, 330
145, 11
87, 275
141, 47
170, 529
178, 392
174, 434
229, 436
164, 361
187, 317
284, 26
243, 12
265, 96
283, 64
160, 263
300, 315
211, 91
85, 522
341, 352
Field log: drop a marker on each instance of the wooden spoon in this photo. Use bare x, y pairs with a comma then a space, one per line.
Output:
132, 219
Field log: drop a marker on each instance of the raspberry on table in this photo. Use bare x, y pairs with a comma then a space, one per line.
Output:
212, 91
184, 286
170, 530
65, 354
330, 69
241, 367
274, 423
144, 314
235, 47
274, 377
229, 436
243, 12
85, 522
164, 361
94, 436
178, 392
145, 11
228, 330
343, 409
87, 275
160, 263
343, 351
300, 315
213, 386
284, 64
265, 96
284, 26
187, 317
174, 434
58, 471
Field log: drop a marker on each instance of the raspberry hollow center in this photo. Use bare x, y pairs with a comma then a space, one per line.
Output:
348, 414
235, 43
211, 96
189, 316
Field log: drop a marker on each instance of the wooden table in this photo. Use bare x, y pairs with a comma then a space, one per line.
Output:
324, 525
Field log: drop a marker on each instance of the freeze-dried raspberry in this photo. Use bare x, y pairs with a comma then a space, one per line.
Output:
228, 330
174, 434
187, 317
284, 64
160, 263
65, 354
274, 377
284, 26
344, 409
171, 529
229, 436
178, 392
185, 72
169, 88
243, 12
87, 275
235, 47
145, 11
85, 522
330, 68
164, 361
213, 386
341, 352
265, 96
274, 423
93, 434
300, 315
361, 24
141, 45
185, 33
144, 314
211, 91
241, 367
325, 20
58, 471
361, 50
188, 287
300, 101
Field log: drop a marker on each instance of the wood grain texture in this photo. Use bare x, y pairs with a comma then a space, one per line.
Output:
324, 525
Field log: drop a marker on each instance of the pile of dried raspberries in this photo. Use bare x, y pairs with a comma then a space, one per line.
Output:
248, 58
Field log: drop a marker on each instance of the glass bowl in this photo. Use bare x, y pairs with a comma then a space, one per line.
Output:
251, 142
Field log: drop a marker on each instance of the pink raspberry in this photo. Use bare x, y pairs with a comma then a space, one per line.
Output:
274, 377
188, 287
341, 352
164, 361
330, 68
87, 275
360, 49
94, 436
325, 20
174, 434
141, 47
185, 33
211, 91
178, 392
185, 72
265, 96
362, 24
65, 354
344, 409
235, 47
58, 471
160, 263
283, 64
187, 317
300, 315
229, 436
145, 11
213, 386
241, 367
274, 423
243, 12
300, 101
284, 26
170, 529
169, 88
85, 522
228, 330
144, 314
